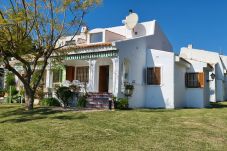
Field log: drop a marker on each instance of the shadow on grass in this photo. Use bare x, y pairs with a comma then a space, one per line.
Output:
218, 105
22, 119
157, 110
19, 115
35, 111
64, 117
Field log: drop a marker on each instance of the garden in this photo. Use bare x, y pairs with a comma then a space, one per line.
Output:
66, 95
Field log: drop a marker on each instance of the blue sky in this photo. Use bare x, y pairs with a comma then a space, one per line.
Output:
202, 23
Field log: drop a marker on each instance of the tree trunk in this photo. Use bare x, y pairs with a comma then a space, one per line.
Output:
29, 99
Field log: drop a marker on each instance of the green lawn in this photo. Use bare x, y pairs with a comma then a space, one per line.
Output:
47, 129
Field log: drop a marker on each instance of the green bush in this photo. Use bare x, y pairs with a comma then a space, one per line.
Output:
82, 101
49, 102
121, 103
10, 80
64, 94
14, 91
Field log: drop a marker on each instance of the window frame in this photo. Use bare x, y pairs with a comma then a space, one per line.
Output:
194, 79
57, 74
154, 81
96, 41
82, 74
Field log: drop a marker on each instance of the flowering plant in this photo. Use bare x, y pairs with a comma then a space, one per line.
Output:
128, 86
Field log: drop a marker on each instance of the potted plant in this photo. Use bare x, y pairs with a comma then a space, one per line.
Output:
128, 89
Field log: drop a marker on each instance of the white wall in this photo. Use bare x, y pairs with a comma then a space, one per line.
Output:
179, 85
161, 96
195, 97
158, 41
212, 58
134, 51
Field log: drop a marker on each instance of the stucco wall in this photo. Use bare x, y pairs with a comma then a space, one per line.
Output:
135, 52
214, 59
195, 97
179, 86
161, 96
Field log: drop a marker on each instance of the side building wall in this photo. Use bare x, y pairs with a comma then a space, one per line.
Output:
160, 96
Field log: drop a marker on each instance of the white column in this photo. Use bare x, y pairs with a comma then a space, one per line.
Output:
49, 77
91, 82
115, 62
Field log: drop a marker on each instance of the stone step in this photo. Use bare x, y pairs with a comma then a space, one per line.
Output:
98, 100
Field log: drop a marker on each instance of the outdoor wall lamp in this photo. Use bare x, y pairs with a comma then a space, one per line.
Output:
212, 76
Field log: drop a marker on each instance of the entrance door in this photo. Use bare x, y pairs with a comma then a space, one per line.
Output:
103, 78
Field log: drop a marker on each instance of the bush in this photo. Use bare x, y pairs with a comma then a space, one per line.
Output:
82, 101
49, 102
10, 80
121, 103
64, 94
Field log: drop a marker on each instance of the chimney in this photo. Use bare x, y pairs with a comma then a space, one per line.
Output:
190, 46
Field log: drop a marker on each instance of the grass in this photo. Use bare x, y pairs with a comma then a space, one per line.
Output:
145, 129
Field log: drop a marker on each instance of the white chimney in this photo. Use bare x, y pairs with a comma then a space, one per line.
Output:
190, 46
83, 29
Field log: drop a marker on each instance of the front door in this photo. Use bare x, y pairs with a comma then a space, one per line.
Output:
103, 78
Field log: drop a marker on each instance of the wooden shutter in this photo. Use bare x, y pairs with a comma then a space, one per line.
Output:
153, 76
201, 79
157, 77
70, 72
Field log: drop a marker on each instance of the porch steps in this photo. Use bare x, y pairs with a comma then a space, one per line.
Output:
99, 100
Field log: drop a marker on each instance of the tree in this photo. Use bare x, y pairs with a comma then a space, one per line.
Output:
30, 30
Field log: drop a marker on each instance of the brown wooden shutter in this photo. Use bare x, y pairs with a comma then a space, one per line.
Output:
201, 79
157, 73
70, 72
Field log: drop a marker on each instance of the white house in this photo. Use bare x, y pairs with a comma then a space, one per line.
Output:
107, 58
218, 85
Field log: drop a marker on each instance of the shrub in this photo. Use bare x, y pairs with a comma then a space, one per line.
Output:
64, 94
121, 103
14, 91
82, 101
10, 80
49, 102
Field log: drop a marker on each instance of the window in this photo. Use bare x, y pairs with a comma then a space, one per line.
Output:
57, 76
153, 76
96, 37
82, 74
194, 80
71, 42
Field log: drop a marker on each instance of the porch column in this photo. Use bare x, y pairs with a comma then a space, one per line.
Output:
49, 77
63, 74
91, 80
115, 62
